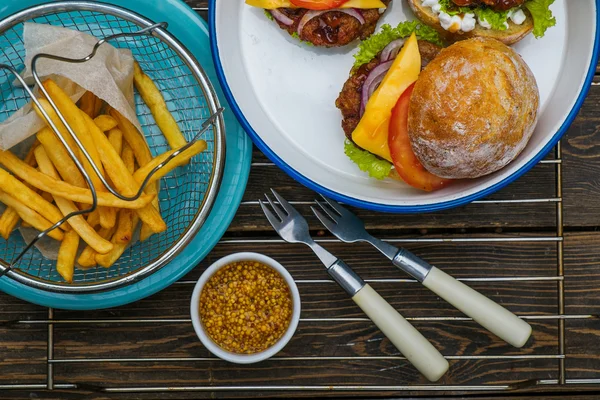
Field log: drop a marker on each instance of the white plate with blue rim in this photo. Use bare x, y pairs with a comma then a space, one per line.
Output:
283, 93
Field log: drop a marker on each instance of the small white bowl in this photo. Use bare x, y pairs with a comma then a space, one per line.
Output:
199, 328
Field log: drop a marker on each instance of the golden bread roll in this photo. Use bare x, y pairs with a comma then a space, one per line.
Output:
473, 109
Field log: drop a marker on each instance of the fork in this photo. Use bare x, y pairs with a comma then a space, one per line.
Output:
293, 228
350, 229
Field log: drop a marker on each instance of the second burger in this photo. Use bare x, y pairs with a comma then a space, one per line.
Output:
427, 116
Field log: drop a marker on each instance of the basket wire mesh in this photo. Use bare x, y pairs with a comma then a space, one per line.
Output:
186, 194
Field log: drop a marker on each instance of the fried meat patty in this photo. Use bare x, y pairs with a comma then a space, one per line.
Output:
332, 28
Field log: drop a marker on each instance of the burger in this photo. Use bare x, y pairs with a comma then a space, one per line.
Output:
324, 23
427, 115
506, 20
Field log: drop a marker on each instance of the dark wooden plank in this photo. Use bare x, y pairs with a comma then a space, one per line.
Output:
12, 308
463, 260
582, 273
582, 154
312, 339
538, 183
360, 372
583, 359
22, 347
22, 354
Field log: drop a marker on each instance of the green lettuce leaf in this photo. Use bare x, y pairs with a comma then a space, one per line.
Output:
269, 15
542, 16
370, 47
296, 36
497, 19
367, 161
450, 8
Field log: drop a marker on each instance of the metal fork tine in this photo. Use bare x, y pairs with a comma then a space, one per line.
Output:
335, 217
286, 206
333, 204
270, 216
324, 220
274, 206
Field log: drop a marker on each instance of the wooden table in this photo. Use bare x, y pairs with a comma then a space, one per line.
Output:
519, 247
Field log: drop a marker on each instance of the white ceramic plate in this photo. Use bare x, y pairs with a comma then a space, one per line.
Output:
284, 92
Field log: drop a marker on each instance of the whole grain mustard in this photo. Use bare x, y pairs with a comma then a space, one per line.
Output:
246, 307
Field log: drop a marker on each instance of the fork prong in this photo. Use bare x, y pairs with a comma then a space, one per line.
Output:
331, 213
334, 204
286, 206
274, 206
330, 225
270, 216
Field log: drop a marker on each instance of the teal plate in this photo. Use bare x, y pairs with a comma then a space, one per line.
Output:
192, 32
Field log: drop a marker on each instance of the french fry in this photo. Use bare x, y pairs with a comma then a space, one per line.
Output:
105, 122
74, 171
60, 158
125, 228
115, 138
10, 218
108, 259
143, 156
180, 159
81, 126
17, 189
156, 102
94, 218
57, 122
65, 263
87, 258
25, 225
8, 222
123, 179
62, 189
87, 103
78, 223
30, 216
135, 139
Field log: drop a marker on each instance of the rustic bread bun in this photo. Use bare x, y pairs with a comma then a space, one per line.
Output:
473, 109
512, 35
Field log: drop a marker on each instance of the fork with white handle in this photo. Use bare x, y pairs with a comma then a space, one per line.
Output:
293, 228
350, 229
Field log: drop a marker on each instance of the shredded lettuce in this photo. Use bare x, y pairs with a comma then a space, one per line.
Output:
542, 16
539, 9
367, 161
269, 15
370, 47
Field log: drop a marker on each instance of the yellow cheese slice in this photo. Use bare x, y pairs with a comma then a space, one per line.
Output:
371, 133
271, 4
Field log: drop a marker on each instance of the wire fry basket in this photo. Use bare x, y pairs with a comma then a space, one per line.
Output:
187, 193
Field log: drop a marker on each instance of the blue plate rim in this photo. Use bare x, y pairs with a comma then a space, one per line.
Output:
262, 146
237, 173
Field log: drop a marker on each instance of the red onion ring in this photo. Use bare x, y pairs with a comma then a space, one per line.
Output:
392, 49
353, 12
373, 79
281, 17
310, 14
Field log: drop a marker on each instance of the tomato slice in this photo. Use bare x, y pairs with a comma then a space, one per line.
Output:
318, 4
406, 163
